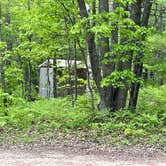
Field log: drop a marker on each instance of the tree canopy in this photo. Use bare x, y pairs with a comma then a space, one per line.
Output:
124, 41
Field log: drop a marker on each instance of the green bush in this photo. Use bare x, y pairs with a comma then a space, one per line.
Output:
57, 115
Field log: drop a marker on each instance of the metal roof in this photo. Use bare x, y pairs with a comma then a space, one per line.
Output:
62, 63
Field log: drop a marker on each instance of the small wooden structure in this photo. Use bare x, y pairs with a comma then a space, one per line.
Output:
47, 79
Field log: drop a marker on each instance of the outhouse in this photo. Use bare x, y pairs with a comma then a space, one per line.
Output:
46, 82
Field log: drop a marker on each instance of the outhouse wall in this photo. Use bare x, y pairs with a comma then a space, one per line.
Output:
46, 85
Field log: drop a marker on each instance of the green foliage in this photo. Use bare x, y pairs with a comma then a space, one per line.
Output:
45, 30
9, 99
155, 62
58, 116
153, 98
116, 79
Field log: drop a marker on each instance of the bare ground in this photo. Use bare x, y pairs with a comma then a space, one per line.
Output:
79, 154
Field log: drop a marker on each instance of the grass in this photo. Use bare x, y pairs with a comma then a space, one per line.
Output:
49, 119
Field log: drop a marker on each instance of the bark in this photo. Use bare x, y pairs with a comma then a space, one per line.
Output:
138, 64
3, 84
28, 68
89, 78
21, 82
120, 94
9, 40
147, 5
90, 38
135, 12
29, 80
75, 72
69, 53
48, 79
94, 60
155, 15
2, 71
135, 87
69, 71
106, 92
55, 78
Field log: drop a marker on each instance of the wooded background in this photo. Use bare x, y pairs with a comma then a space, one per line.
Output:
121, 42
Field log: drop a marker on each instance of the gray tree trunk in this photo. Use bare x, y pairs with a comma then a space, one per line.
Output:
106, 93
55, 78
28, 67
138, 64
90, 38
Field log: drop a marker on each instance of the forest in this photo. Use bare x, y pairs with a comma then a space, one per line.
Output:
94, 69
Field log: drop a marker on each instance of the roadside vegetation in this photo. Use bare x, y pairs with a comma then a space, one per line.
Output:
83, 70
52, 119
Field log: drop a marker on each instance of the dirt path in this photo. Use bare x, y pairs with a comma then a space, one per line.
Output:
53, 156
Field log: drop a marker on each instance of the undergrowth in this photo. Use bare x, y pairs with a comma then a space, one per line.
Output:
47, 119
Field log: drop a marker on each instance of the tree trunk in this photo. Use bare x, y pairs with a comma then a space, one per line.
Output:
138, 64
89, 75
75, 73
2, 71
55, 78
107, 92
120, 94
28, 75
90, 38
48, 79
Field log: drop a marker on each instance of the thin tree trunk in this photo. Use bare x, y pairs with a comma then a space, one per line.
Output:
3, 84
75, 73
21, 82
9, 41
69, 53
55, 78
2, 71
29, 66
90, 38
69, 72
48, 79
89, 77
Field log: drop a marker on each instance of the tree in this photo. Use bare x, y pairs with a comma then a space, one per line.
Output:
113, 35
114, 95
141, 19
90, 38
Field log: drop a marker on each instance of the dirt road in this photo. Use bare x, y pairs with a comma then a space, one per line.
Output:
52, 156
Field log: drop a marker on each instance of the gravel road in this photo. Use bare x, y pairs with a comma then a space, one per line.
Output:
52, 156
